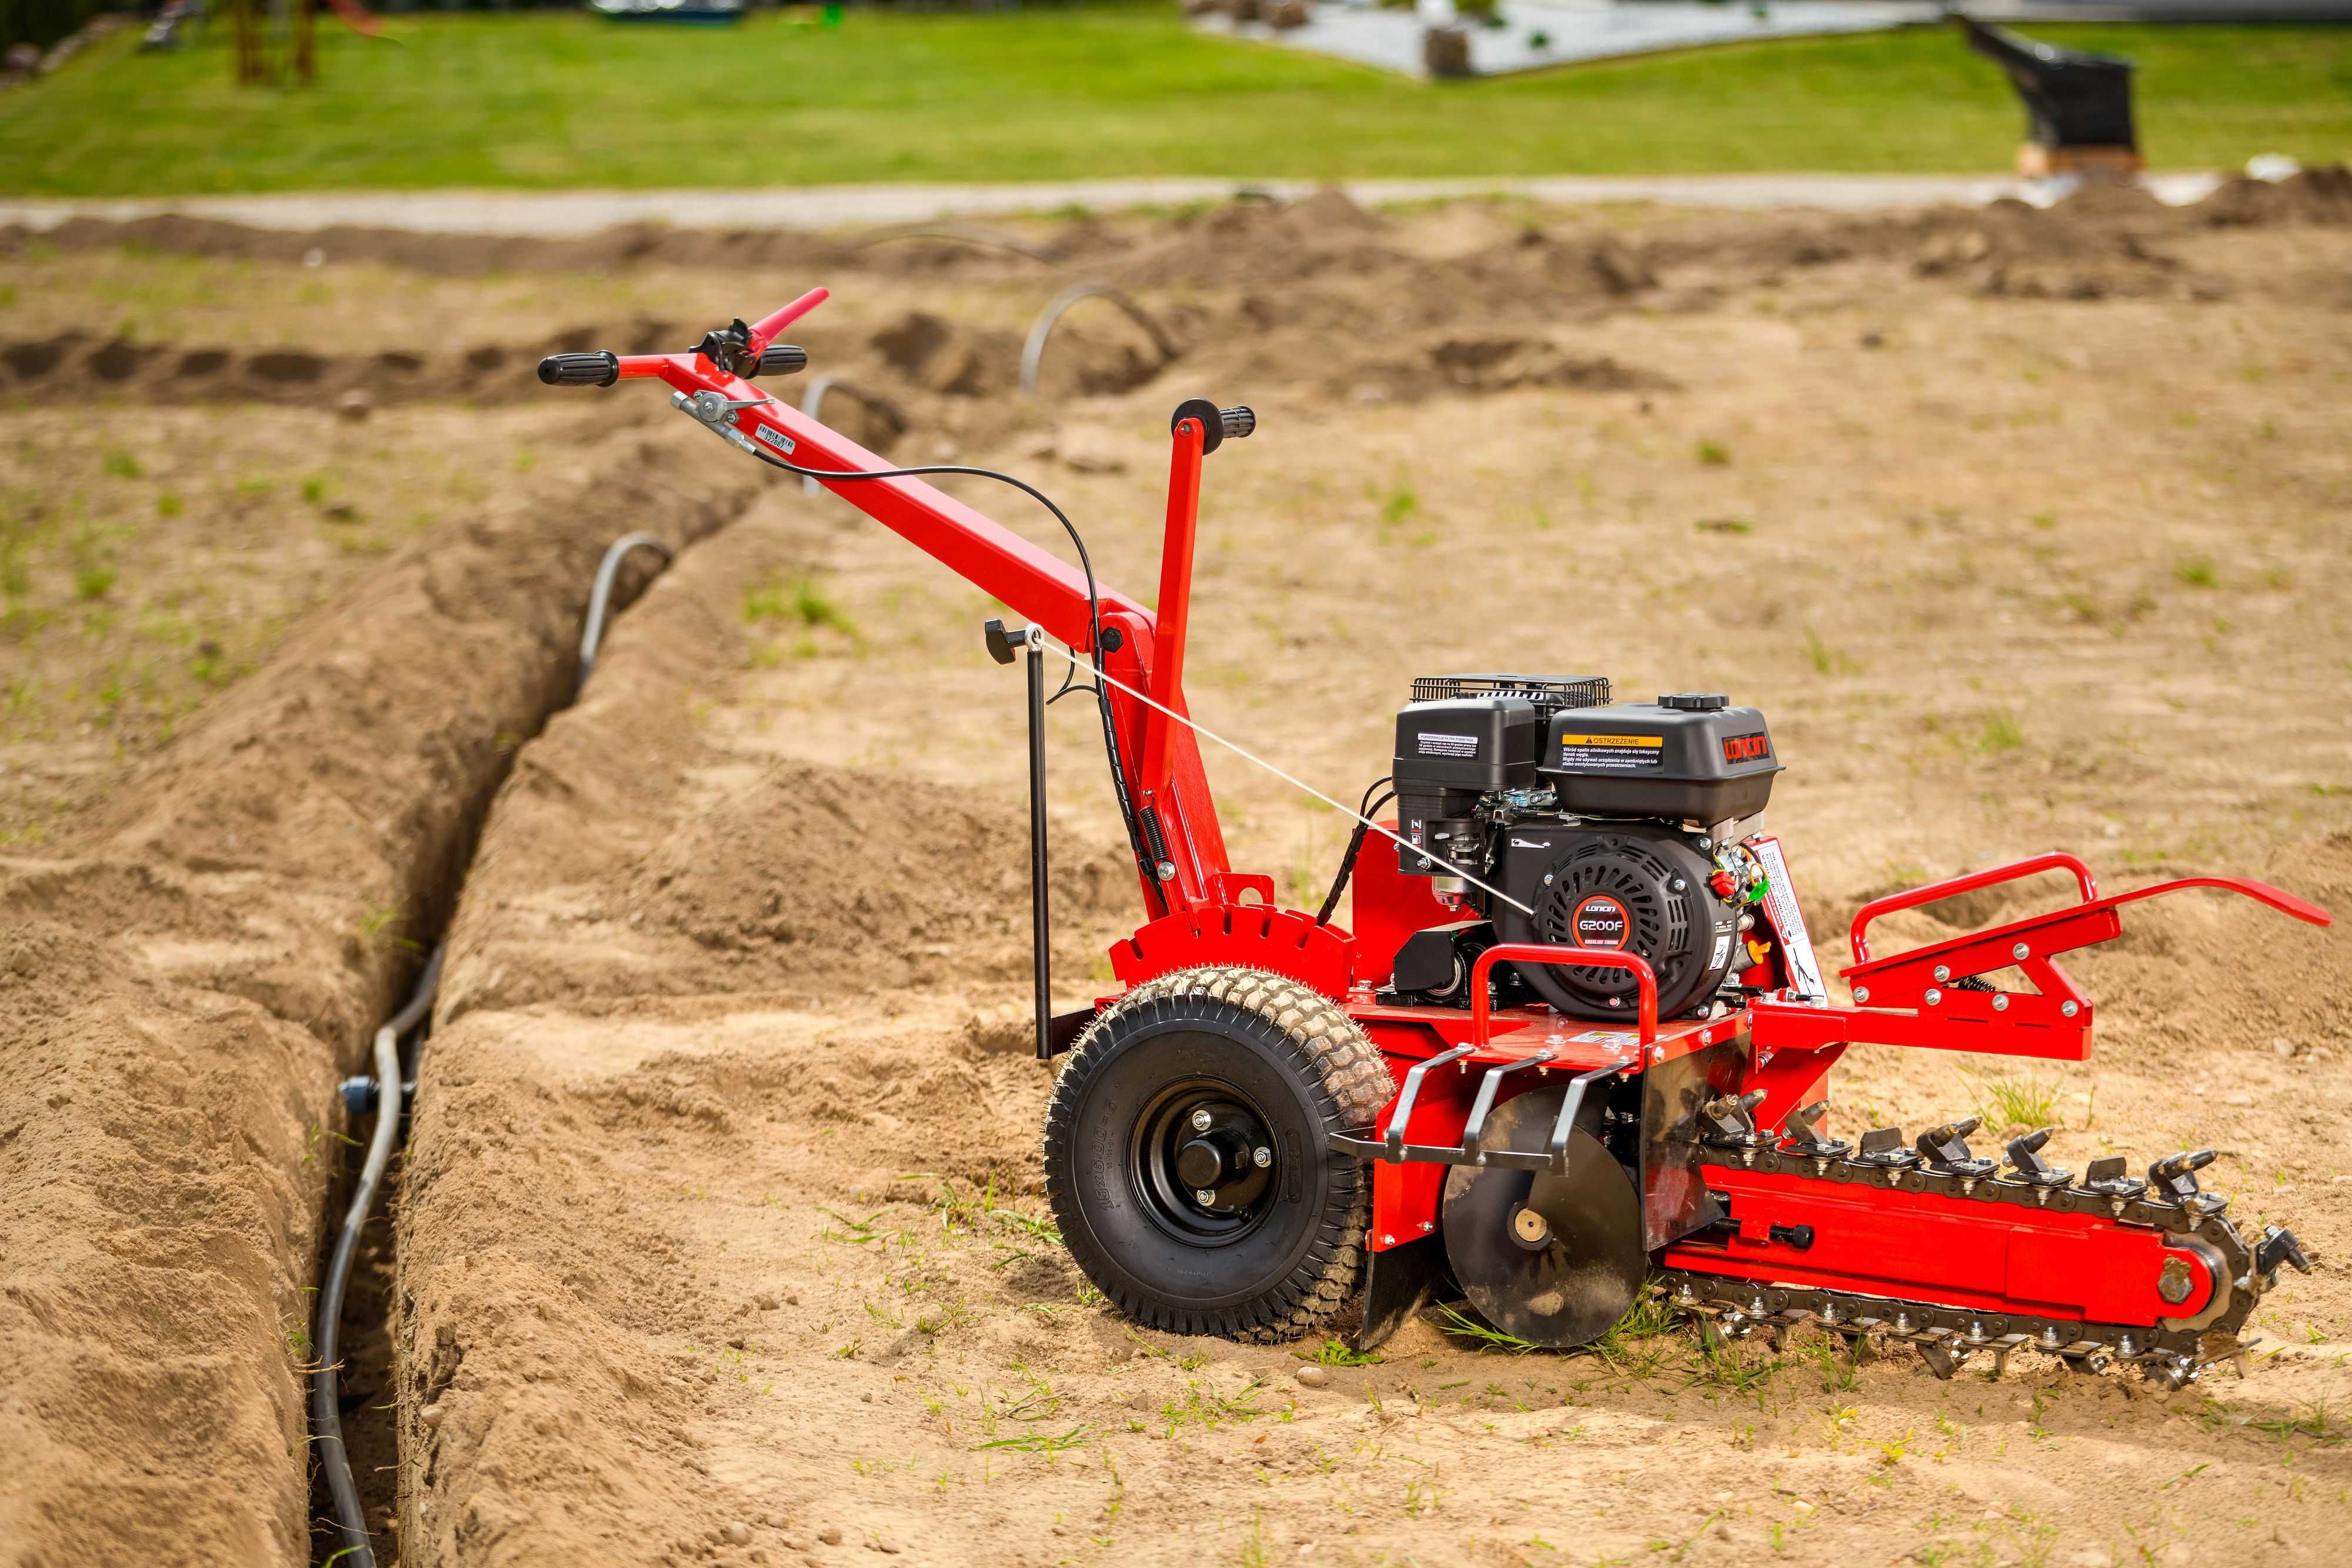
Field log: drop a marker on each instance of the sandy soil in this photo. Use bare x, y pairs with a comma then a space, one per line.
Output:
189, 978
718, 1237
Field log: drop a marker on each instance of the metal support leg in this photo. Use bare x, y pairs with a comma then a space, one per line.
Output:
1001, 646
1041, 924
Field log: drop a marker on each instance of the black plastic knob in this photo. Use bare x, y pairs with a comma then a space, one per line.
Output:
783, 359
1217, 424
602, 368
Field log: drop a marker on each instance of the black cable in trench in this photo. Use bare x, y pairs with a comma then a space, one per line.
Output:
389, 1087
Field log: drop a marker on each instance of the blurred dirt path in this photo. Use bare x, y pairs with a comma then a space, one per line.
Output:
557, 214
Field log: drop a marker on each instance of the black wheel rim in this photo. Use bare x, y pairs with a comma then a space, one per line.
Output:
1170, 1154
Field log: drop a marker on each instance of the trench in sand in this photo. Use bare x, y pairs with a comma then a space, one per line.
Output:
190, 981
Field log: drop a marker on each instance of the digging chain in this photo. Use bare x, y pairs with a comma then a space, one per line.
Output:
1947, 1337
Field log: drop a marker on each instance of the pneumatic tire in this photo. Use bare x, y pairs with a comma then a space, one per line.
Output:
1235, 1078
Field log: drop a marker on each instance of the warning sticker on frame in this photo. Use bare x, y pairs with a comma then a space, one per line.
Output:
1605, 1038
1780, 907
1612, 753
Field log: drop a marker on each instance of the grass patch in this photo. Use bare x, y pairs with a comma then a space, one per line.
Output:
2025, 1102
2196, 572
1461, 1325
1712, 455
1724, 525
799, 601
1039, 1442
551, 100
2001, 733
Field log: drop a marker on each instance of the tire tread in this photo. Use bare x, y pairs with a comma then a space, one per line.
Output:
1334, 1052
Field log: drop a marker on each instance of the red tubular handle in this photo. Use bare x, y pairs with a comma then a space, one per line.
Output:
2278, 899
764, 330
1481, 1008
639, 365
2057, 860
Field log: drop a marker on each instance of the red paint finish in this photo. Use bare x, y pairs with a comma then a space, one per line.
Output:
1255, 936
1987, 1256
1385, 907
1481, 999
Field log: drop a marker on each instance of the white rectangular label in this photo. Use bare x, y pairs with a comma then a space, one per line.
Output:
775, 437
1434, 745
1788, 921
1606, 1037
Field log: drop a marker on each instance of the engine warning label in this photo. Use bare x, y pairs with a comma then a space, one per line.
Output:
1432, 745
1615, 752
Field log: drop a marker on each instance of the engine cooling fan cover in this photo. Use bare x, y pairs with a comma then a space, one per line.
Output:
1637, 889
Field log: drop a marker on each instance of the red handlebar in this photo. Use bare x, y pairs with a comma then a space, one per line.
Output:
1481, 1008
2056, 859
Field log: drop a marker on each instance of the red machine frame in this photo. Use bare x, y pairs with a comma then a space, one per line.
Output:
1214, 916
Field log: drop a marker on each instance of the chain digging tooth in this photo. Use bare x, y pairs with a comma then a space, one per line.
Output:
1787, 1325
1882, 1150
1732, 1120
1946, 1150
2110, 1178
2277, 1246
2005, 1347
2088, 1356
1942, 1352
2171, 1375
2174, 1177
2027, 1166
1803, 1134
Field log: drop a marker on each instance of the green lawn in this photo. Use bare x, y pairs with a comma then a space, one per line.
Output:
556, 99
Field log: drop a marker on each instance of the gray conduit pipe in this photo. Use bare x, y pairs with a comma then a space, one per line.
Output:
390, 1096
600, 597
1032, 351
326, 1406
812, 402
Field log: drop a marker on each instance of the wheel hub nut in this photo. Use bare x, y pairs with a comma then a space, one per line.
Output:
1530, 1227
1262, 1157
1204, 1198
1200, 1120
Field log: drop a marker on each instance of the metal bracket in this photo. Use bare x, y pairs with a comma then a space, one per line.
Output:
1392, 1149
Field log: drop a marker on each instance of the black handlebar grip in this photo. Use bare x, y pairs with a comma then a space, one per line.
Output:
1217, 424
598, 369
783, 359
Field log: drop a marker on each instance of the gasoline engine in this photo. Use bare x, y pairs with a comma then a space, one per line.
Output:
1604, 825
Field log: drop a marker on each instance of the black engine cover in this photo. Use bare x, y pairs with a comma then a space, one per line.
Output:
1637, 887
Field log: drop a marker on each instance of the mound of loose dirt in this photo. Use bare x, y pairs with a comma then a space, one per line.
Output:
1266, 243
665, 868
2321, 196
2057, 253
